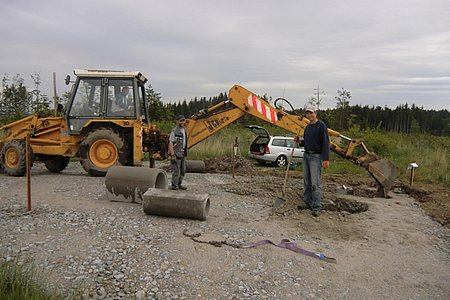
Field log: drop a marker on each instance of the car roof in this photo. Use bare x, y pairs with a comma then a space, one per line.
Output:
282, 137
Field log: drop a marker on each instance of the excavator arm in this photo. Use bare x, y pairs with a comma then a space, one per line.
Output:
242, 101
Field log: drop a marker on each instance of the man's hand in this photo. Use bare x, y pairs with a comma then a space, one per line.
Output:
326, 164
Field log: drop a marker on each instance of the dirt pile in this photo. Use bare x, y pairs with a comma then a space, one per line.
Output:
433, 199
239, 164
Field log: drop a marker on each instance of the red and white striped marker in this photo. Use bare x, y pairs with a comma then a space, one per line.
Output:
262, 108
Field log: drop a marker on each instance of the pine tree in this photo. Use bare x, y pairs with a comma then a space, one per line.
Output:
343, 109
14, 100
40, 103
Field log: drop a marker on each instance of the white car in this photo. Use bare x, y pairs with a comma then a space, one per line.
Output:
274, 149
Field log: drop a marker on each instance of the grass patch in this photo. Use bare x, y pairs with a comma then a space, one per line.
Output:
341, 166
19, 280
221, 143
431, 153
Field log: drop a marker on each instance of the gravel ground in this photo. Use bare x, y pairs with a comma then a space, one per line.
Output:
113, 250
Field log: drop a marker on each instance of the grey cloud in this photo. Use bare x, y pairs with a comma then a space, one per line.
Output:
384, 52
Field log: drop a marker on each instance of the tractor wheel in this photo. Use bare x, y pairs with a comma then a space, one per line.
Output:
101, 150
56, 163
14, 158
281, 161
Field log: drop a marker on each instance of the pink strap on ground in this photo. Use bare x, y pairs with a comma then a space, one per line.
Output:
287, 244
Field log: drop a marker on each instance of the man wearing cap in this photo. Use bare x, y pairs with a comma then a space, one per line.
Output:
178, 151
316, 156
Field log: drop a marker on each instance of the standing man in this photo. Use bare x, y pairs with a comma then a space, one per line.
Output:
178, 151
317, 153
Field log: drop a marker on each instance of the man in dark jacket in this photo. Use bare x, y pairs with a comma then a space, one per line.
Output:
178, 151
316, 156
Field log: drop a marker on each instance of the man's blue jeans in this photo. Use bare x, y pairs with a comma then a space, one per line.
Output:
312, 169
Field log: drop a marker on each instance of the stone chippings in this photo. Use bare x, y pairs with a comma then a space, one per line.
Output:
104, 250
121, 253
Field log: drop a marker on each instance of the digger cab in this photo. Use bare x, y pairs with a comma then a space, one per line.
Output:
106, 95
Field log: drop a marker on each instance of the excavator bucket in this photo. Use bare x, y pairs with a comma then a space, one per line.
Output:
383, 171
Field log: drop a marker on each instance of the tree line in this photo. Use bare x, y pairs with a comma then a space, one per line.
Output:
403, 119
17, 101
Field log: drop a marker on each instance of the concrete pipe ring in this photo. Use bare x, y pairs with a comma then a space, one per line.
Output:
128, 184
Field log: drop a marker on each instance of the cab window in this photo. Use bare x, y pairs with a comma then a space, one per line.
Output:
86, 102
121, 100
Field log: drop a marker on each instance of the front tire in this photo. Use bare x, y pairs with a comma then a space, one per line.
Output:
56, 163
281, 161
14, 158
101, 150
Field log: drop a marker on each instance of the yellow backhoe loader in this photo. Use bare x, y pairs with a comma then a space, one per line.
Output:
106, 123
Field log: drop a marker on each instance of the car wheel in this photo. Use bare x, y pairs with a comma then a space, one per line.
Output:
281, 161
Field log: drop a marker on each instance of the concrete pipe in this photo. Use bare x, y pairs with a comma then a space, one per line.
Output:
176, 204
195, 166
128, 184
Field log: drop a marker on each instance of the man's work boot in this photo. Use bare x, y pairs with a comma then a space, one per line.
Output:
316, 213
303, 206
174, 187
182, 187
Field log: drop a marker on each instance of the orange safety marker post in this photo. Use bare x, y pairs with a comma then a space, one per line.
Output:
28, 172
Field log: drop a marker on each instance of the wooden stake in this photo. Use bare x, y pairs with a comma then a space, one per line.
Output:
28, 157
412, 177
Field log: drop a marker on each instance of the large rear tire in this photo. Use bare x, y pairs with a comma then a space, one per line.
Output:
56, 163
14, 157
101, 150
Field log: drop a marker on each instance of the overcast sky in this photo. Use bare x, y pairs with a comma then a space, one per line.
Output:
385, 52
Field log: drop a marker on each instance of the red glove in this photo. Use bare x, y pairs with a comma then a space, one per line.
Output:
326, 164
297, 139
